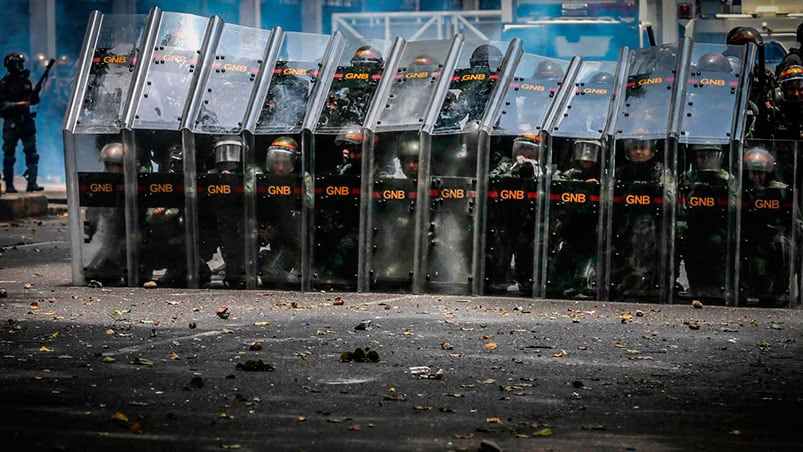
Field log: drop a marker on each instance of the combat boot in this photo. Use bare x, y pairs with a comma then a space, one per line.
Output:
8, 176
31, 174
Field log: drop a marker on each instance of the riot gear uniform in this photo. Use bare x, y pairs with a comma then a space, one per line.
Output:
348, 100
511, 232
766, 233
17, 94
228, 212
279, 216
788, 121
104, 228
637, 229
702, 224
409, 150
572, 263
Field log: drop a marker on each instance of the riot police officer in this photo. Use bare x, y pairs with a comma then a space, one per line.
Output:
409, 150
524, 158
763, 80
17, 94
512, 233
572, 266
105, 226
702, 228
280, 223
794, 56
766, 232
638, 228
229, 211
788, 120
486, 59
349, 100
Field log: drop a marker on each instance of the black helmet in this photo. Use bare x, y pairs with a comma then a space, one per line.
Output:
713, 62
548, 70
350, 135
742, 35
486, 55
409, 146
14, 62
282, 151
790, 77
367, 56
586, 150
759, 159
601, 78
708, 156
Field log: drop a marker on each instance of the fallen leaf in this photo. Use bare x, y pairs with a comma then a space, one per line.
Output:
337, 302
262, 323
493, 420
490, 346
118, 416
135, 428
355, 427
300, 418
44, 349
110, 331
34, 305
543, 432
108, 359
560, 354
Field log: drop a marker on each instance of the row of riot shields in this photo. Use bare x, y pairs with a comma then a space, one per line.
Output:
207, 154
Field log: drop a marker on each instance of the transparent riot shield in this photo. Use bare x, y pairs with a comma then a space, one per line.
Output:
712, 122
704, 237
170, 74
396, 152
530, 95
284, 189
337, 151
353, 84
453, 164
643, 192
111, 71
291, 83
100, 161
572, 237
769, 226
225, 166
164, 80
95, 179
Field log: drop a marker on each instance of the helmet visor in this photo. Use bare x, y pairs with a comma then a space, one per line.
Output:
228, 152
584, 150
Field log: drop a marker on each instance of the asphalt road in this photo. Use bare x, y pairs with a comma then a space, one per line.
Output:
136, 369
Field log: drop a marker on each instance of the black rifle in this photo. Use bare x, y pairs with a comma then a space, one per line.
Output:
42, 79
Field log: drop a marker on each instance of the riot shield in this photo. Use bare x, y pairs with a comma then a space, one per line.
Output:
225, 166
571, 240
280, 197
510, 223
101, 197
769, 225
291, 83
337, 180
513, 176
643, 192
704, 238
350, 91
96, 180
471, 86
337, 153
530, 95
712, 122
161, 209
396, 154
170, 73
111, 71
